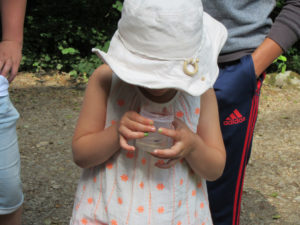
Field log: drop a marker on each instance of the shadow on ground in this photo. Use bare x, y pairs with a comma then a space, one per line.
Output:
256, 209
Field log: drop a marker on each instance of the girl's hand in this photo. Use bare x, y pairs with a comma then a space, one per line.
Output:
133, 126
184, 141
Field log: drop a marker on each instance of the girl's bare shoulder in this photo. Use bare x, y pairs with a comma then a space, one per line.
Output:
103, 72
102, 76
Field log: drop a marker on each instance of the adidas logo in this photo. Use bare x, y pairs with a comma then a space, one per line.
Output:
234, 118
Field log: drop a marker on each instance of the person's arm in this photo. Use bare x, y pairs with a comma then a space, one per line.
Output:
284, 33
92, 143
264, 55
208, 159
204, 151
12, 18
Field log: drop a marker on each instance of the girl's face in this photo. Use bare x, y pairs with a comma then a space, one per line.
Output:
159, 95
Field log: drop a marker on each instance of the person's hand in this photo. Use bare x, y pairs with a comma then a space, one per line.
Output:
184, 144
10, 58
264, 55
133, 126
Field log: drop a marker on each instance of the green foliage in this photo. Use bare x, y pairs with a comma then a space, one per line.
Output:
279, 3
59, 35
85, 66
295, 63
118, 5
276, 217
281, 63
293, 58
70, 51
290, 60
274, 194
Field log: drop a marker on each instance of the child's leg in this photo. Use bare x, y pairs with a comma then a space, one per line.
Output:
11, 196
237, 91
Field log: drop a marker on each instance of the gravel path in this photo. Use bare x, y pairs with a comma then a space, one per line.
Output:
49, 108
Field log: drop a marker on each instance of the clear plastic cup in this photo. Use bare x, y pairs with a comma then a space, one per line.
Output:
161, 118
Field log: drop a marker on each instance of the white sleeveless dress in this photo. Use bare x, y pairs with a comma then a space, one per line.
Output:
129, 189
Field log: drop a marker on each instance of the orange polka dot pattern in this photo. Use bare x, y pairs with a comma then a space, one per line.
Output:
130, 189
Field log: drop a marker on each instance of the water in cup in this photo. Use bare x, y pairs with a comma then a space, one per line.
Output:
162, 117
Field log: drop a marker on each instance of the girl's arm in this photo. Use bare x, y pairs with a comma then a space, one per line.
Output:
209, 156
204, 150
93, 144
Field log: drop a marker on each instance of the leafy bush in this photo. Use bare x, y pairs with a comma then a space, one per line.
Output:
280, 62
59, 35
293, 58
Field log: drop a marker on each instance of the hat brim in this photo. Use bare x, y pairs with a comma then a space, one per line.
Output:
158, 74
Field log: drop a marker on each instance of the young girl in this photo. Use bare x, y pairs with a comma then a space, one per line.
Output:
164, 54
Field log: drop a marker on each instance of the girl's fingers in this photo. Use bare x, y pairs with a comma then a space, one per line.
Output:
134, 116
136, 126
177, 123
168, 132
173, 133
125, 145
129, 134
172, 153
168, 164
136, 122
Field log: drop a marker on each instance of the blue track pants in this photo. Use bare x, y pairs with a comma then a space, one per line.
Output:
237, 91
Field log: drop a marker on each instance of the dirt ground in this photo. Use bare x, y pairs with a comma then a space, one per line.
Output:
49, 107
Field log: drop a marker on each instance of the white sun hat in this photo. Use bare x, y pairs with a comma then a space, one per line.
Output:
166, 44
